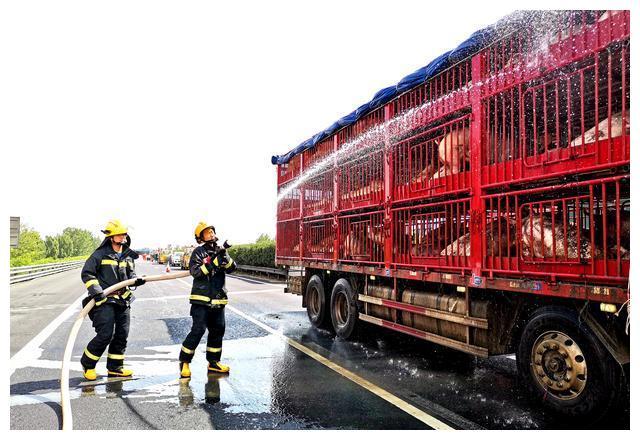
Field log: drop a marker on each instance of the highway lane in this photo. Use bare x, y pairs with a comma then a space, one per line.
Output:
37, 302
273, 384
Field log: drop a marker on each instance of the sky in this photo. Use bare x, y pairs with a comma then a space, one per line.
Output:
163, 114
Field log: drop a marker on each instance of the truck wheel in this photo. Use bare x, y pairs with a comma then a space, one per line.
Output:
565, 367
344, 309
316, 302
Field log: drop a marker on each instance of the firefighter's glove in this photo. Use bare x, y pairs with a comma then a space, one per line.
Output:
139, 282
99, 298
220, 262
209, 264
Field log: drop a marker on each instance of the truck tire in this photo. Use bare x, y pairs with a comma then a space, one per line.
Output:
565, 368
316, 302
344, 310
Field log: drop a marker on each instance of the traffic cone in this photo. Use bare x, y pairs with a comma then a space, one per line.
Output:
168, 268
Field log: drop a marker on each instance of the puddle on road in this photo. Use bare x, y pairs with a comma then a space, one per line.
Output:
248, 389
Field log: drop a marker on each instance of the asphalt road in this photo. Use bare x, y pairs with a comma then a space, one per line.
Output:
284, 373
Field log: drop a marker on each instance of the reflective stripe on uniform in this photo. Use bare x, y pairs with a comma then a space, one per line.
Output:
100, 302
204, 270
123, 264
228, 265
219, 301
200, 298
91, 283
214, 349
186, 350
115, 356
91, 356
109, 262
126, 294
215, 261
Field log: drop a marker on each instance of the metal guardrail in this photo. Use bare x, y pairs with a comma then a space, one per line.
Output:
27, 273
267, 270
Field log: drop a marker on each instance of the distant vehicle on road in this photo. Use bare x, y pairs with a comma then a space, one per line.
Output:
185, 259
176, 259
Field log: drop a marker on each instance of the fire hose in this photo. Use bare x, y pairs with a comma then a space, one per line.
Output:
67, 417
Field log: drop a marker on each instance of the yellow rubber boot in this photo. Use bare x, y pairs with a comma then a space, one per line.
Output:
217, 367
120, 373
185, 371
90, 374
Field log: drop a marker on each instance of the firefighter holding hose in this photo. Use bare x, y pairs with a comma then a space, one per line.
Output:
208, 265
111, 263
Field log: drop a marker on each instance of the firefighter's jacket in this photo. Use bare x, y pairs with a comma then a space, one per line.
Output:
105, 268
208, 266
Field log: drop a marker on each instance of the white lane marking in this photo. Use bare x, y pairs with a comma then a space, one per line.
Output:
233, 292
253, 280
31, 351
35, 399
29, 309
424, 417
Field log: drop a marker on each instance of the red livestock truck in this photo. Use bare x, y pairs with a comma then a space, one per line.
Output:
482, 203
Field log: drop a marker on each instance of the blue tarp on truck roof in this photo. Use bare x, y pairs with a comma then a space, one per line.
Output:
477, 41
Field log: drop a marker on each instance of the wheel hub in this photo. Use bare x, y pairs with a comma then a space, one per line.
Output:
559, 365
314, 301
342, 309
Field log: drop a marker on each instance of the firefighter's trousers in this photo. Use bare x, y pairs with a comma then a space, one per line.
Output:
111, 322
204, 318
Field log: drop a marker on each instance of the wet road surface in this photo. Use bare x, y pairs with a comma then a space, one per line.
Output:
274, 383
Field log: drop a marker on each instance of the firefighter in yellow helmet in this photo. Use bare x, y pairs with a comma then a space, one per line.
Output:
112, 262
208, 265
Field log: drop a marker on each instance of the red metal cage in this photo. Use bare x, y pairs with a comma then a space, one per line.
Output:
433, 162
435, 235
318, 236
361, 237
574, 231
288, 239
574, 120
440, 195
289, 205
361, 180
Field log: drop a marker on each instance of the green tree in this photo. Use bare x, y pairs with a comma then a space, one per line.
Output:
83, 242
66, 246
30, 247
260, 253
264, 239
52, 246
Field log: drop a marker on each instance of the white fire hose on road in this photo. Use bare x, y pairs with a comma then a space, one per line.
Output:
67, 417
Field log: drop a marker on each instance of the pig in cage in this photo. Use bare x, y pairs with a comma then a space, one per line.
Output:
361, 237
433, 235
580, 229
574, 120
436, 161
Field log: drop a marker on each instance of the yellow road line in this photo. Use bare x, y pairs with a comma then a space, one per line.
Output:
380, 392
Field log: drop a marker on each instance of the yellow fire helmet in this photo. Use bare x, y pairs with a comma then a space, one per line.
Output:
200, 228
114, 227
